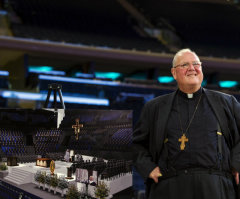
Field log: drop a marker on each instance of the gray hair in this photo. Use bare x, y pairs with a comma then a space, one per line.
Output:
180, 53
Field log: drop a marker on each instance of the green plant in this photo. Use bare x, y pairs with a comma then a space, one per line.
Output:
54, 181
48, 179
102, 190
42, 177
3, 167
62, 183
72, 192
37, 176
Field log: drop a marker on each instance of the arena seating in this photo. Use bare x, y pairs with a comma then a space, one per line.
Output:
46, 141
8, 191
12, 142
78, 22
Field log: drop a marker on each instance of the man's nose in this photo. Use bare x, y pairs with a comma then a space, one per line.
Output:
191, 67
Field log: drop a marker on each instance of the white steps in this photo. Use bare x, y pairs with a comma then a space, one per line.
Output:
19, 176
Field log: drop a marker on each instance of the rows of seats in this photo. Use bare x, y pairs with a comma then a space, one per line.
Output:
10, 136
46, 141
214, 50
117, 168
27, 158
96, 164
80, 144
12, 142
87, 27
56, 155
11, 150
119, 140
122, 139
79, 23
86, 38
110, 170
116, 144
8, 191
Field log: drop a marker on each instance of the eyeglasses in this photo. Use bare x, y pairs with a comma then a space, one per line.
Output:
186, 65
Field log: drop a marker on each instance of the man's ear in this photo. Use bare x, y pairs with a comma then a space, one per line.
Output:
173, 71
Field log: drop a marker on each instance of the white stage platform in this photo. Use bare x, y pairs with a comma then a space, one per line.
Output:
24, 173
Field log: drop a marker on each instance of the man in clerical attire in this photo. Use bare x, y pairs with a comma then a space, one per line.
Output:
187, 143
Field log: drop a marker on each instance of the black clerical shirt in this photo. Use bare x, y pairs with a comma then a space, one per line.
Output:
201, 150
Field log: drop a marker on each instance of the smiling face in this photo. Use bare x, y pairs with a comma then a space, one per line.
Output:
189, 79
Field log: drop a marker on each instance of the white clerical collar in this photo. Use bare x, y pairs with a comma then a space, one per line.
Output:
189, 95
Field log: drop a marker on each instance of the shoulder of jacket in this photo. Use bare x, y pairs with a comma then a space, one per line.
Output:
157, 100
217, 93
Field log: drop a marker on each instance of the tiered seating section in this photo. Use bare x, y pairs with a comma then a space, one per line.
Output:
8, 191
216, 38
121, 139
12, 142
116, 168
80, 22
26, 158
108, 138
107, 171
46, 141
113, 173
56, 155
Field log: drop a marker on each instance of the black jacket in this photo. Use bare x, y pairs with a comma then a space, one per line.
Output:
149, 132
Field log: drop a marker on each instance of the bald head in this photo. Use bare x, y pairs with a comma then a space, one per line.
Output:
180, 53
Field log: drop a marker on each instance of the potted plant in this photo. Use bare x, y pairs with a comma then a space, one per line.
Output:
42, 179
37, 177
72, 192
48, 181
62, 184
3, 170
54, 182
3, 167
102, 190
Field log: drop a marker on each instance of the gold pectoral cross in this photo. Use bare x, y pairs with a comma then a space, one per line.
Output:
77, 127
183, 139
